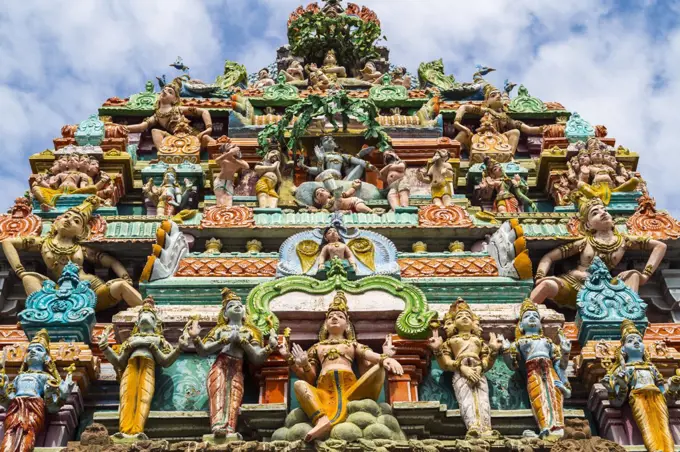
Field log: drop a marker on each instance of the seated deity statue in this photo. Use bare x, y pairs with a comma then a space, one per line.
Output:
393, 175
466, 355
327, 382
37, 390
264, 79
495, 103
233, 339
508, 194
317, 78
333, 166
295, 72
330, 67
170, 118
136, 359
602, 176
370, 74
439, 174
544, 365
269, 173
400, 77
633, 377
334, 247
601, 239
61, 245
346, 201
230, 163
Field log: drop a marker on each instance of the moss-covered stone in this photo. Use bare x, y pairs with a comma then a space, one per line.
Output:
280, 434
377, 431
385, 408
390, 422
364, 406
361, 419
346, 431
296, 416
298, 431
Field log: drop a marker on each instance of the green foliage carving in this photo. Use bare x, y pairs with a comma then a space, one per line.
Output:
524, 103
234, 74
412, 323
282, 91
365, 111
432, 74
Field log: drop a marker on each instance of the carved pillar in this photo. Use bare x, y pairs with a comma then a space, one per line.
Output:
61, 427
274, 379
414, 356
610, 420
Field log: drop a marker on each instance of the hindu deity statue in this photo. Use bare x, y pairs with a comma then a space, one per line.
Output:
439, 174
164, 199
230, 163
400, 77
295, 72
69, 176
370, 74
136, 358
37, 390
264, 79
326, 380
334, 247
234, 339
333, 166
269, 172
393, 174
170, 118
600, 238
544, 363
323, 199
61, 245
495, 104
466, 355
330, 67
635, 378
508, 194
317, 78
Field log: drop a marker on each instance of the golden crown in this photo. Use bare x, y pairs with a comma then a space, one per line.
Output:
628, 328
585, 205
42, 338
339, 303
86, 209
458, 306
149, 305
527, 305
229, 295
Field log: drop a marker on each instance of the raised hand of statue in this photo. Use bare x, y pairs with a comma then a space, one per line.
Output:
506, 344
234, 336
273, 339
300, 356
420, 175
388, 348
284, 346
392, 365
436, 340
496, 342
103, 340
301, 162
565, 344
136, 341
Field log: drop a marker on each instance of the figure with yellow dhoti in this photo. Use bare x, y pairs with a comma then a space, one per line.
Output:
466, 355
439, 174
37, 390
509, 195
269, 172
327, 382
136, 358
234, 339
61, 245
599, 238
544, 364
635, 378
67, 178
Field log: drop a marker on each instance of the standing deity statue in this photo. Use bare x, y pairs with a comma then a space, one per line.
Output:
230, 163
137, 358
508, 194
234, 339
269, 172
635, 378
439, 174
327, 382
393, 174
600, 239
166, 198
61, 245
171, 118
544, 364
36, 389
495, 104
466, 355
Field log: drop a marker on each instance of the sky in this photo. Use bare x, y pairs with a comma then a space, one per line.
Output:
614, 62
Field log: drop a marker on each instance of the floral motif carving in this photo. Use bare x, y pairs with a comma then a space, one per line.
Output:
180, 148
19, 221
222, 216
448, 267
450, 216
649, 222
226, 267
97, 228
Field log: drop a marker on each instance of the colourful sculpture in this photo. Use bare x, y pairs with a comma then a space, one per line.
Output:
439, 174
544, 364
62, 245
264, 79
37, 390
234, 339
269, 172
635, 378
343, 201
600, 239
166, 199
508, 195
333, 247
393, 174
230, 163
327, 382
466, 355
136, 358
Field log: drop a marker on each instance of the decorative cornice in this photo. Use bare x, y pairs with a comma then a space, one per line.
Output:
227, 267
448, 267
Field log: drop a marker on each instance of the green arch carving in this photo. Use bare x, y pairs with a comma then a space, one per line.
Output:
412, 323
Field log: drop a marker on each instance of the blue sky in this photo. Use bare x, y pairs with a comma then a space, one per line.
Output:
616, 63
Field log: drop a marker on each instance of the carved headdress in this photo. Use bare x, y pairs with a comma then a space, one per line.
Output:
228, 296
628, 328
43, 338
527, 305
84, 211
339, 304
459, 306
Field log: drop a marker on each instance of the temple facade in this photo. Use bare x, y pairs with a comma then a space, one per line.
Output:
333, 253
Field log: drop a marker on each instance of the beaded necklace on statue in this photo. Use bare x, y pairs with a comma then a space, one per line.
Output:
61, 250
605, 250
